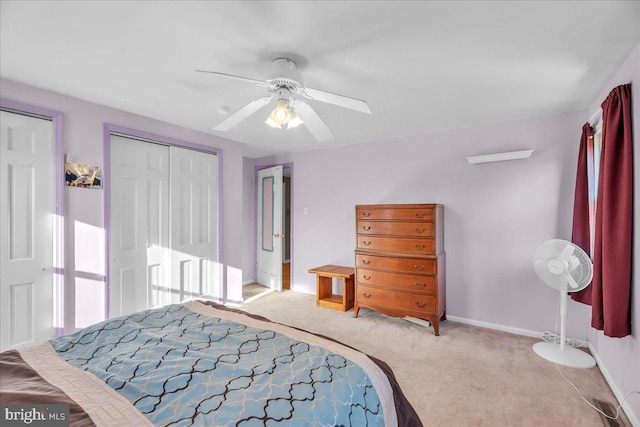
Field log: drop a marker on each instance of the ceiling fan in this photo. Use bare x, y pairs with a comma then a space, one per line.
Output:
285, 84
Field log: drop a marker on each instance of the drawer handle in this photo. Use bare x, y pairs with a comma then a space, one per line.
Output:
420, 305
366, 214
366, 262
420, 246
423, 285
420, 215
420, 231
365, 228
364, 242
419, 268
366, 277
367, 295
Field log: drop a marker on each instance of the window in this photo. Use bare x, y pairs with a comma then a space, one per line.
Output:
594, 148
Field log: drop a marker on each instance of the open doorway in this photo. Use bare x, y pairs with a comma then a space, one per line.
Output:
286, 227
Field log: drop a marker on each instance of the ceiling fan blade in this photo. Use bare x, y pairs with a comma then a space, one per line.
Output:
244, 79
332, 98
242, 114
313, 122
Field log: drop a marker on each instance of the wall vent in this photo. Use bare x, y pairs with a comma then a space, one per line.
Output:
607, 408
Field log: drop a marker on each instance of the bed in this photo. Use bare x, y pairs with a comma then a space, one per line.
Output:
203, 364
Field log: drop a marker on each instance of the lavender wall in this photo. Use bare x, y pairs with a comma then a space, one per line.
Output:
620, 357
495, 214
83, 127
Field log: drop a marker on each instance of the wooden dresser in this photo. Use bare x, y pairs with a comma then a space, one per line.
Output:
400, 261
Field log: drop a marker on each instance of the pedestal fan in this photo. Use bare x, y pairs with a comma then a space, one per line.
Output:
565, 267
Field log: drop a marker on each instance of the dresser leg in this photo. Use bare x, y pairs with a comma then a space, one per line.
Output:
444, 315
436, 327
356, 309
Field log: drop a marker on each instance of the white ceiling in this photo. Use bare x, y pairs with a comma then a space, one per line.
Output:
422, 66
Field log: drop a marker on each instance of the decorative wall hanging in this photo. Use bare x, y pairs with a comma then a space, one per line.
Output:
84, 176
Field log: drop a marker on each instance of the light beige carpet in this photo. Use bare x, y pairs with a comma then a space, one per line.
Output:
468, 376
252, 290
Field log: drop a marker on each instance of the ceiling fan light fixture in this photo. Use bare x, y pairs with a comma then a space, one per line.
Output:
295, 121
283, 115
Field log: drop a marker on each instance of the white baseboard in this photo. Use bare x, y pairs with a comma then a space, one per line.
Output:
248, 282
495, 326
529, 333
234, 303
633, 419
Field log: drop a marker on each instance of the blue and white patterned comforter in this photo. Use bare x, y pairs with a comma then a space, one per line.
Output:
194, 365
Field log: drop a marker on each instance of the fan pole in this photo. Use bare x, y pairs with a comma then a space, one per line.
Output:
564, 296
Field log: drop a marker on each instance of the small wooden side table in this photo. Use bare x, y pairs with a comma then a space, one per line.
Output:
324, 289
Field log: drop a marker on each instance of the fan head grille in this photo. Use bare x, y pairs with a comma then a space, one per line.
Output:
571, 267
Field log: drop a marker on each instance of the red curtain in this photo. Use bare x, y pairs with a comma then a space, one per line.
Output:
611, 286
580, 234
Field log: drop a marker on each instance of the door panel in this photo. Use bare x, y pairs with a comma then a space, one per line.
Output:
270, 227
194, 217
21, 313
26, 249
139, 276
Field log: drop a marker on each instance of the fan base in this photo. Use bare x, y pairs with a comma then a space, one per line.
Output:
571, 357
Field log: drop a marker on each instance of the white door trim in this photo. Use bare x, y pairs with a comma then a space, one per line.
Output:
56, 118
107, 131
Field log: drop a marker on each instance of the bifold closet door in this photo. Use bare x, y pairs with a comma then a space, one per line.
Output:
194, 224
140, 237
164, 225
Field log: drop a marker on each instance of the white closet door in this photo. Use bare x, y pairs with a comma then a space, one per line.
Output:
26, 230
194, 224
140, 256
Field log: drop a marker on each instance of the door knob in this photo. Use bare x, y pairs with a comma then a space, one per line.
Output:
276, 235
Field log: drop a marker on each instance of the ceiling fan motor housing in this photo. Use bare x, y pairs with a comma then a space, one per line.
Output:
284, 74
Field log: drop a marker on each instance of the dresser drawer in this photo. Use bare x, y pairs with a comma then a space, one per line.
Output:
407, 301
404, 282
397, 244
398, 214
413, 229
401, 265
